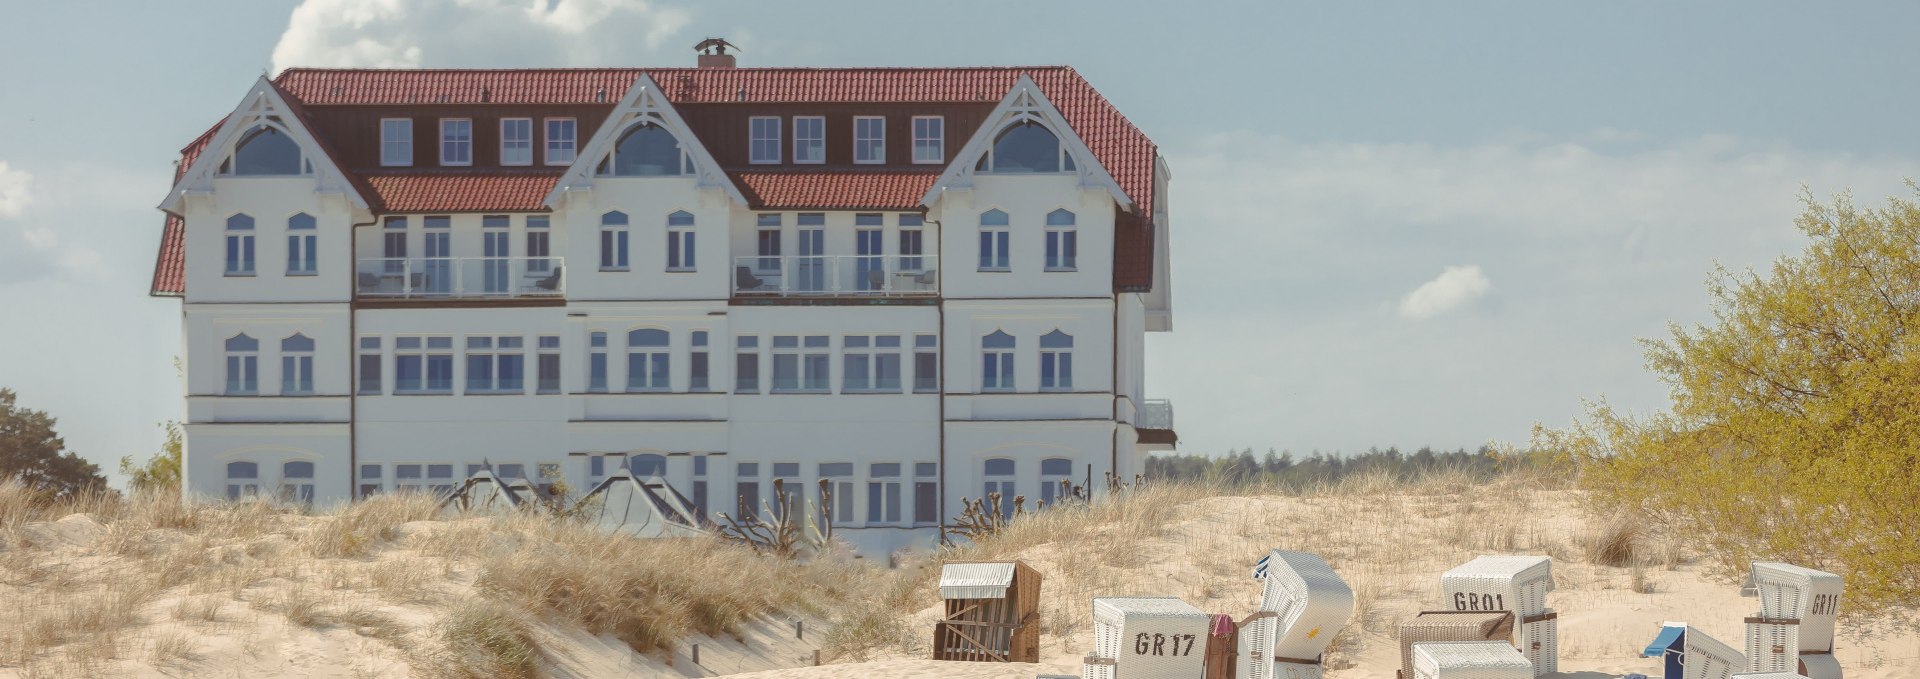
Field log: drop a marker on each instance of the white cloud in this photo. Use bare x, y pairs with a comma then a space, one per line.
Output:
521, 33
1455, 286
16, 190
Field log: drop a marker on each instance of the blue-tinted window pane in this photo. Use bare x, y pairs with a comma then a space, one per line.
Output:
999, 467
993, 218
1056, 466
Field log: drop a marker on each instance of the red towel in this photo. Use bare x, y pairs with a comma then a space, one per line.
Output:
1223, 626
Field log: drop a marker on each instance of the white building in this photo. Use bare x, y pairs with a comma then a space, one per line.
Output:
923, 284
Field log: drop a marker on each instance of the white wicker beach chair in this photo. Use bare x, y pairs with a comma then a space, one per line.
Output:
1510, 583
1794, 630
1142, 637
1469, 660
1309, 603
1692, 654
1770, 675
644, 508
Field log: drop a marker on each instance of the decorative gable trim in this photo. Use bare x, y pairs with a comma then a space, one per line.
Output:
643, 102
264, 104
1025, 102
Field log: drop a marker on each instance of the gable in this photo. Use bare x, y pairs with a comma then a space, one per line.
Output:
263, 108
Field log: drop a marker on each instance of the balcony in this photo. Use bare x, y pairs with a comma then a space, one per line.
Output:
461, 277
1154, 422
837, 276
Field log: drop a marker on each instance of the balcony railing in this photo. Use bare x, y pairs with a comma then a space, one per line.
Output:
837, 275
1154, 413
428, 277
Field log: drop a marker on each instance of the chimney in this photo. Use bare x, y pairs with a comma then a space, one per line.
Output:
713, 53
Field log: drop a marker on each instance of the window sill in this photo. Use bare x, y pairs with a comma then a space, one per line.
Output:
869, 391
941, 161
632, 390
295, 393
240, 274
241, 393
446, 392
302, 273
869, 162
605, 269
1058, 269
803, 391
492, 392
997, 269
775, 161
682, 270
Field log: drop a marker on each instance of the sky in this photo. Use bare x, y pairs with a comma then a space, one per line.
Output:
1392, 224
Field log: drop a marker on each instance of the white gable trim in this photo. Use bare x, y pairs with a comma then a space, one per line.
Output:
642, 103
1025, 102
263, 105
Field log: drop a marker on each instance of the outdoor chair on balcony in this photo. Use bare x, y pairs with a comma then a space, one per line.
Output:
369, 282
876, 279
743, 279
551, 282
926, 277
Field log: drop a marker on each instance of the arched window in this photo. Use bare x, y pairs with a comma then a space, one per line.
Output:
647, 364
243, 365
240, 245
243, 480
646, 150
1056, 361
1026, 147
993, 240
613, 241
680, 241
1063, 243
1054, 470
296, 482
302, 260
648, 464
296, 365
999, 478
266, 151
996, 362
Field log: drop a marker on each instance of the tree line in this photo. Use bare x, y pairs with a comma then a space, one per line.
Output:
1282, 470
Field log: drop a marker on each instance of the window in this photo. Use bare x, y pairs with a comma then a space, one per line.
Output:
393, 244
791, 490
549, 365
647, 465
697, 362
537, 244
560, 141
437, 265
680, 241
598, 464
869, 264
647, 360
396, 142
296, 365
243, 480
243, 365
911, 245
746, 491
996, 362
296, 482
929, 140
512, 471
302, 260
926, 493
763, 140
240, 245
769, 261
370, 365
869, 140
871, 364
440, 364
797, 368
613, 241
700, 487
1062, 243
809, 140
1056, 361
646, 150
999, 479
746, 364
1026, 147
597, 361
496, 365
993, 241
422, 367
456, 141
839, 478
370, 482
440, 478
516, 141
1053, 471
407, 477
883, 492
265, 151
926, 363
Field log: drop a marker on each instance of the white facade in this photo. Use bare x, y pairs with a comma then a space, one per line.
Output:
393, 367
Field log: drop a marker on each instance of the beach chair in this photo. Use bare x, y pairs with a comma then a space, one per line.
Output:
1469, 660
1770, 675
484, 493
1798, 611
992, 612
1690, 654
1434, 626
1143, 637
1518, 584
1309, 604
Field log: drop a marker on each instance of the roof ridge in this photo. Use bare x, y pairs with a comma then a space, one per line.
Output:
611, 69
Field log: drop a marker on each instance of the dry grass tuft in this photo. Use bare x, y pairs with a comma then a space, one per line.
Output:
1616, 543
484, 639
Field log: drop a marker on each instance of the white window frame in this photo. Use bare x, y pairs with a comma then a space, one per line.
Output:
746, 351
804, 352
844, 497
297, 490
615, 242
293, 365
497, 352
370, 349
597, 361
1056, 363
926, 344
699, 361
885, 495
505, 140
1003, 378
396, 152
561, 150
1007, 485
447, 142
416, 483
544, 346
302, 260
937, 140
871, 137
1062, 248
653, 356
450, 478
1050, 483
246, 363
755, 140
241, 487
375, 484
680, 243
815, 144
995, 241
242, 253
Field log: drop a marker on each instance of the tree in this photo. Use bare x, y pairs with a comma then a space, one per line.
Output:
1794, 432
161, 473
33, 453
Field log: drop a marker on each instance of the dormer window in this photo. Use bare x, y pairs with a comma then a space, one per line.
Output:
396, 142
1026, 147
869, 140
456, 141
809, 140
265, 151
516, 141
647, 150
560, 141
929, 140
763, 140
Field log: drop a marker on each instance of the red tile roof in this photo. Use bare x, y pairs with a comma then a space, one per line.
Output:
1121, 147
816, 190
517, 192
170, 266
